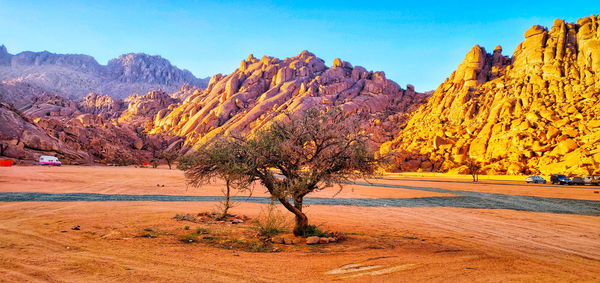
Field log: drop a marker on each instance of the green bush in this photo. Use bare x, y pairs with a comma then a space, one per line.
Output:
312, 230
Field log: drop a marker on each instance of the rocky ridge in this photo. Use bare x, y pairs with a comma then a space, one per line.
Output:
75, 75
535, 112
260, 91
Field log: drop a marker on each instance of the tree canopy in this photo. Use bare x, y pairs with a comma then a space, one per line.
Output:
303, 153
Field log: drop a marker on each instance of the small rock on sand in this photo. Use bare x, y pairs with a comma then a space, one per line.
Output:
277, 240
313, 240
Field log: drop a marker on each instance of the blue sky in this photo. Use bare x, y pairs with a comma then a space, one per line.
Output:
416, 42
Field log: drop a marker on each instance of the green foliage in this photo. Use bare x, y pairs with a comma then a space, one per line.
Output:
312, 230
185, 162
186, 227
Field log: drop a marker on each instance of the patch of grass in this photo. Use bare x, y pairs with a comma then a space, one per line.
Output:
270, 222
312, 230
185, 217
189, 238
248, 245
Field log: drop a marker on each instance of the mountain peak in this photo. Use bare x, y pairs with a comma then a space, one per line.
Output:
4, 55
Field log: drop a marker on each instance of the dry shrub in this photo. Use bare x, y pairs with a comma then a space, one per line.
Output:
271, 222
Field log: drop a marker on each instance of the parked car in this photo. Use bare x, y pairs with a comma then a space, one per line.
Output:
578, 181
49, 160
560, 179
592, 180
535, 180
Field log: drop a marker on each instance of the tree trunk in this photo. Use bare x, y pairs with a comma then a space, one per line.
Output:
169, 163
301, 223
301, 219
226, 205
296, 209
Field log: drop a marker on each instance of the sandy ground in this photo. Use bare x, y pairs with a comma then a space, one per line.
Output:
385, 244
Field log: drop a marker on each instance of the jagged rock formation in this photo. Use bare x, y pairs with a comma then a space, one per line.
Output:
22, 139
143, 108
260, 91
75, 75
537, 112
94, 103
97, 129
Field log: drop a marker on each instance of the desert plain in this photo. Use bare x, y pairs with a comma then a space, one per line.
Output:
400, 228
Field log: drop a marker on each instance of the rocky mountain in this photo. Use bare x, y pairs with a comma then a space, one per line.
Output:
535, 112
260, 91
75, 75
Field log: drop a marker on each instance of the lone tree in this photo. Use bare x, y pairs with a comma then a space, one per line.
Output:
303, 153
169, 157
473, 168
221, 159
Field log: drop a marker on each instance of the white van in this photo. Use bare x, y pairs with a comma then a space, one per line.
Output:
49, 160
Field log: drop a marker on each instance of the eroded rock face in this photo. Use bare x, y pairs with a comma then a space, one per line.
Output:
143, 108
25, 140
95, 103
260, 91
536, 112
97, 129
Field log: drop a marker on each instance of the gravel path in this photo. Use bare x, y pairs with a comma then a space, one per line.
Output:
465, 199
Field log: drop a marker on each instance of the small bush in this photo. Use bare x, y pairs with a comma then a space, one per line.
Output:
271, 222
186, 227
189, 238
202, 231
312, 230
185, 217
148, 233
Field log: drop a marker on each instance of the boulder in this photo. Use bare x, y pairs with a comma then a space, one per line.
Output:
313, 240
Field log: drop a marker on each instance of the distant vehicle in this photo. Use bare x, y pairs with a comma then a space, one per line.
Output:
592, 180
578, 181
560, 179
535, 180
49, 160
